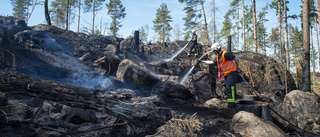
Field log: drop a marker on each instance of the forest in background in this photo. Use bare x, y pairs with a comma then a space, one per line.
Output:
291, 44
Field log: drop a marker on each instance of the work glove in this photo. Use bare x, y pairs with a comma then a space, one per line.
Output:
238, 70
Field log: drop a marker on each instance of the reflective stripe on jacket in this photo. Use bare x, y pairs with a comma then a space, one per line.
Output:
226, 66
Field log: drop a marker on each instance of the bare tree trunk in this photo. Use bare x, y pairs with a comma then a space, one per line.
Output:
318, 9
312, 55
67, 17
46, 12
286, 45
79, 16
306, 86
205, 22
28, 2
94, 15
317, 33
287, 35
243, 27
280, 30
238, 27
101, 26
255, 26
115, 25
214, 22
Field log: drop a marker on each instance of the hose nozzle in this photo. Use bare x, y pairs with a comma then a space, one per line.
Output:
195, 64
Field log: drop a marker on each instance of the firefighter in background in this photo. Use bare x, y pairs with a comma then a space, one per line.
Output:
194, 43
228, 67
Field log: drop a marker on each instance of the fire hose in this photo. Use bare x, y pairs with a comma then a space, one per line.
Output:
274, 110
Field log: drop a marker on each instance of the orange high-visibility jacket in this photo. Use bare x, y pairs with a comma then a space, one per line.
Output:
226, 66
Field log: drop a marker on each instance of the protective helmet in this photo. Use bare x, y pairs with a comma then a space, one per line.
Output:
215, 46
193, 31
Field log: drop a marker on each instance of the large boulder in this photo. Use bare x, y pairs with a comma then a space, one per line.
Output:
11, 25
108, 64
265, 75
135, 75
129, 45
203, 86
249, 125
301, 108
173, 89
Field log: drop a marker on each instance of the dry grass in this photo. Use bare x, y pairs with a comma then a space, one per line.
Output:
182, 126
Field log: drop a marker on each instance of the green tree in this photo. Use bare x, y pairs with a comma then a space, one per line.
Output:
226, 28
161, 23
296, 40
262, 30
274, 40
20, 8
93, 6
235, 13
58, 13
116, 12
192, 16
61, 12
177, 32
248, 22
143, 33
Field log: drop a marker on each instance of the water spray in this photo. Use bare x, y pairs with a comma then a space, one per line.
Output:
191, 69
177, 53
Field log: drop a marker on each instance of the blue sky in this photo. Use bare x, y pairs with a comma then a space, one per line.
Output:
142, 12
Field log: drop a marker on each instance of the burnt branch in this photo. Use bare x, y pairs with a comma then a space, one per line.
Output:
137, 115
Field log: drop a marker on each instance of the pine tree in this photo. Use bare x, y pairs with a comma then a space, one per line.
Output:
20, 8
58, 12
274, 40
262, 30
306, 86
161, 22
248, 23
94, 6
192, 16
296, 40
177, 32
236, 16
143, 33
116, 12
61, 12
226, 28
193, 22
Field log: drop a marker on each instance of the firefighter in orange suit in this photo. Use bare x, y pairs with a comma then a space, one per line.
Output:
228, 67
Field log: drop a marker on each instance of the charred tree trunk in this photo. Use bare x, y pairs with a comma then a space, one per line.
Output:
306, 86
46, 12
67, 17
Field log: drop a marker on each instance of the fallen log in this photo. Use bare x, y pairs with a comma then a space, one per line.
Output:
143, 118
